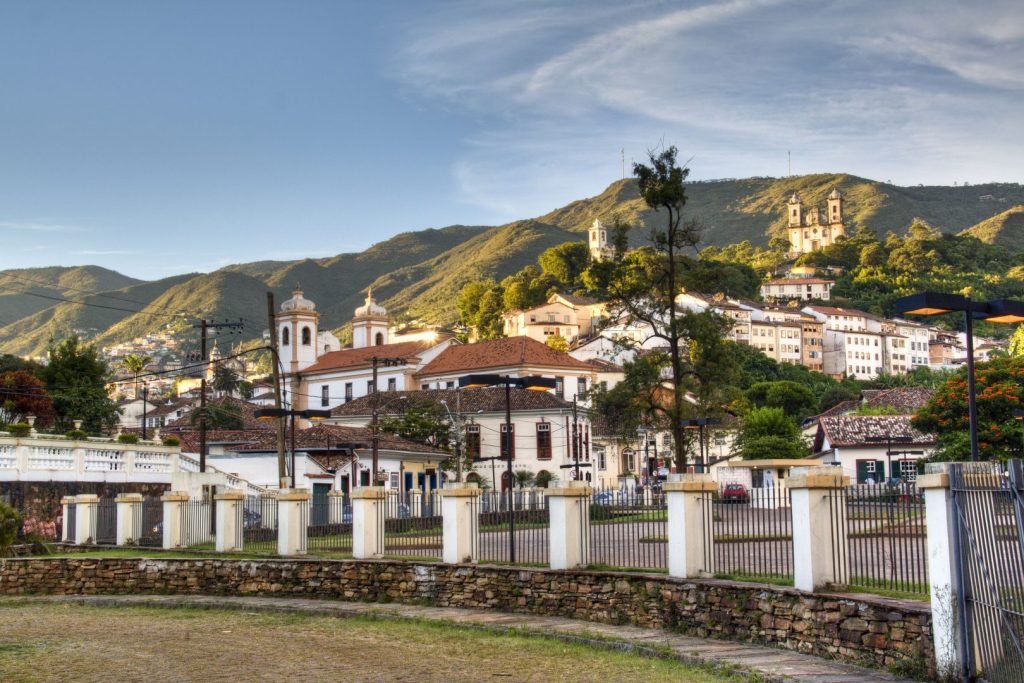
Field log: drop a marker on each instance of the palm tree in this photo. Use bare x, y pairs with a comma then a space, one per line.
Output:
135, 364
225, 380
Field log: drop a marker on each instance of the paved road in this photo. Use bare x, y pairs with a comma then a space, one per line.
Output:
770, 664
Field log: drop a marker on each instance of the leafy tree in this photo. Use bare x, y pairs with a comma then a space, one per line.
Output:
796, 400
226, 414
480, 305
524, 478
558, 343
641, 287
77, 375
9, 363
769, 433
424, 422
566, 262
10, 523
527, 288
21, 395
1000, 386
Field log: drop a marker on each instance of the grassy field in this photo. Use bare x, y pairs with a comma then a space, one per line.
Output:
64, 642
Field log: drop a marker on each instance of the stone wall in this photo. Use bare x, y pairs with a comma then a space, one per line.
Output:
859, 629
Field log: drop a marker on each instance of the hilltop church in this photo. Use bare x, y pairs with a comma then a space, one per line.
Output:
809, 230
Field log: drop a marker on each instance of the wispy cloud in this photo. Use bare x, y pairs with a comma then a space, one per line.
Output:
29, 226
555, 91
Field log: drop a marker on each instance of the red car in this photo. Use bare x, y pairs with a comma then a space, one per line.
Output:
735, 493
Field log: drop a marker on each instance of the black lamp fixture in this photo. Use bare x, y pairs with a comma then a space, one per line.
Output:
699, 423
531, 383
1007, 311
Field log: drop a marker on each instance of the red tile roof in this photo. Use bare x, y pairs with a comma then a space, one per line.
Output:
801, 281
356, 358
471, 400
500, 353
855, 430
323, 436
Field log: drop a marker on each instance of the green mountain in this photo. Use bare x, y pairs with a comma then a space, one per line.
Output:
1005, 229
420, 273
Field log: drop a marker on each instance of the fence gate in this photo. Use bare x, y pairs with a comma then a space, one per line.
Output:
989, 528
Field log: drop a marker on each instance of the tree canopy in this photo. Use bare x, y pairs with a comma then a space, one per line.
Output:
22, 394
769, 433
76, 376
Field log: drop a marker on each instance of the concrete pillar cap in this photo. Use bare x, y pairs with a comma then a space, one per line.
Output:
175, 497
368, 493
129, 498
87, 498
233, 494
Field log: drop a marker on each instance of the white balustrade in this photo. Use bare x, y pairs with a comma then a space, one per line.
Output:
152, 461
102, 460
8, 458
50, 458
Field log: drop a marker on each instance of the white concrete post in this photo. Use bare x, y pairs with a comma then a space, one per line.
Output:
691, 550
943, 572
392, 502
569, 535
230, 525
292, 521
367, 522
67, 533
335, 507
819, 531
415, 503
85, 518
127, 507
648, 496
174, 504
459, 510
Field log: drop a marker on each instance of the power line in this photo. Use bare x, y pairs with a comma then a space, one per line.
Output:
174, 316
50, 285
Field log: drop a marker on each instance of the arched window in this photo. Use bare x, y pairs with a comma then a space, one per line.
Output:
379, 339
306, 336
284, 336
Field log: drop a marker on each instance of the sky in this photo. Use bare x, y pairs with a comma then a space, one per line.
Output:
163, 138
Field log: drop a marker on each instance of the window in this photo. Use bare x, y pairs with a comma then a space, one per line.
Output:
908, 470
392, 383
508, 445
425, 386
543, 440
348, 391
449, 385
325, 395
602, 461
560, 387
473, 441
369, 386
379, 339
285, 336
307, 336
869, 466
581, 385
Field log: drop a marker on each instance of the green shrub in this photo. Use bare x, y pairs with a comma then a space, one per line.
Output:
128, 438
77, 434
19, 429
10, 522
171, 441
599, 513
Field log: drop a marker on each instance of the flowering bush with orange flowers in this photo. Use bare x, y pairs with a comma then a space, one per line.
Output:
999, 385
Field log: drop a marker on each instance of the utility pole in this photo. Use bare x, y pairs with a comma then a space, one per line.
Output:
204, 325
575, 439
275, 361
145, 400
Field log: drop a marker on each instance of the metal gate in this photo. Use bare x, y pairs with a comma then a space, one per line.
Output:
989, 528
106, 522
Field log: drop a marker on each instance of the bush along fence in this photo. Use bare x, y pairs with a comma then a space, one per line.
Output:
815, 533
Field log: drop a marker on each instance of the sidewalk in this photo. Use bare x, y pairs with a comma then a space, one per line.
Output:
769, 663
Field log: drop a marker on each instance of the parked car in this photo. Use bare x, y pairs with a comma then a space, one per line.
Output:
735, 493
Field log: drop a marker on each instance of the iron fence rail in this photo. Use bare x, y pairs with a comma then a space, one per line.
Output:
71, 523
752, 532
106, 522
628, 529
259, 521
989, 524
412, 532
530, 532
330, 526
887, 545
197, 524
151, 522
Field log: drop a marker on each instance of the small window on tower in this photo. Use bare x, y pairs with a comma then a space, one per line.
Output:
307, 336
284, 337
379, 339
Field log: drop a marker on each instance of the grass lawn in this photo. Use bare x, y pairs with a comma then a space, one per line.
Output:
64, 642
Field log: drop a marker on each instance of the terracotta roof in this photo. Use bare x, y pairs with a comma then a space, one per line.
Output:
500, 353
579, 300
801, 281
190, 438
908, 400
471, 400
324, 437
168, 408
853, 312
602, 365
355, 358
855, 430
841, 408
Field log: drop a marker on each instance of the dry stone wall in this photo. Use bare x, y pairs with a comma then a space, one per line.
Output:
864, 630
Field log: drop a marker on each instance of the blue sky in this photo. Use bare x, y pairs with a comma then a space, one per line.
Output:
159, 138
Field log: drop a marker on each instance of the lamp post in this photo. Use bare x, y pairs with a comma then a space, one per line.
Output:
999, 311
530, 383
699, 424
278, 413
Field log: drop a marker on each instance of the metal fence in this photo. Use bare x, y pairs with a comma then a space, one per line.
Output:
989, 527
887, 547
149, 523
330, 525
752, 532
628, 529
105, 522
197, 520
71, 523
412, 529
523, 536
259, 520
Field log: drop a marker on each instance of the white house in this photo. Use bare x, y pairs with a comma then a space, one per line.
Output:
856, 442
801, 289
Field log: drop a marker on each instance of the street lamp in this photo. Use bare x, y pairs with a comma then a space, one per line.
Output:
699, 424
999, 311
530, 383
277, 413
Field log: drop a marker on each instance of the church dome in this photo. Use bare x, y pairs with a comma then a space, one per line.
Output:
794, 198
835, 194
370, 307
298, 302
